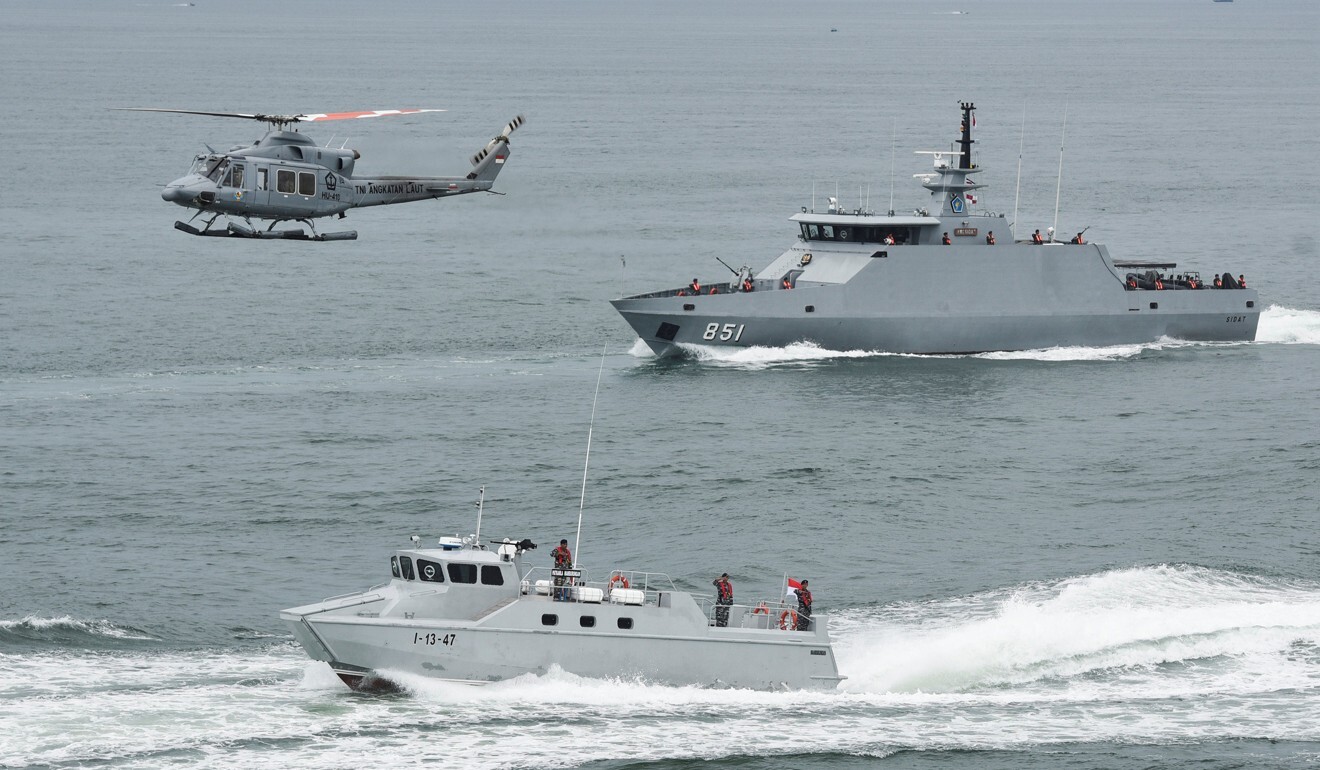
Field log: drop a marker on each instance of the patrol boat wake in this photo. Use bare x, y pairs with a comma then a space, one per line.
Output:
462, 612
957, 281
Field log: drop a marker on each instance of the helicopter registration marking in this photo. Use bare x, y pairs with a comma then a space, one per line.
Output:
725, 333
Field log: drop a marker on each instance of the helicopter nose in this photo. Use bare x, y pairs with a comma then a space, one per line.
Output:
174, 194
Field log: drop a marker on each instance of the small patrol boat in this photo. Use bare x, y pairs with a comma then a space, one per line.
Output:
951, 279
465, 612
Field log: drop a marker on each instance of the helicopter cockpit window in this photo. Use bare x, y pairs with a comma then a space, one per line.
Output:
235, 176
218, 170
306, 183
284, 181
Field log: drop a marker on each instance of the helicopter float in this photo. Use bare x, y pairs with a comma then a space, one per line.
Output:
286, 177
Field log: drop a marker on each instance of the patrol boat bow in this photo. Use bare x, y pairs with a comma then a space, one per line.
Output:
460, 612
933, 283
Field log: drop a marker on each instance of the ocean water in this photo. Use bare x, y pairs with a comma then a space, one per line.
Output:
1066, 558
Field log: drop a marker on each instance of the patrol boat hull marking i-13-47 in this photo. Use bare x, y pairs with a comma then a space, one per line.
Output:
845, 286
466, 614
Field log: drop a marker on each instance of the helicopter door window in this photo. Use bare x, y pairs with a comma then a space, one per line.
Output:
306, 183
284, 181
261, 179
237, 173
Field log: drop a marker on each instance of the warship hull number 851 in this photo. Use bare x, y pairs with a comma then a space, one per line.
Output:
955, 282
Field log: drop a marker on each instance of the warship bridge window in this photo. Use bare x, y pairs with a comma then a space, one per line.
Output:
284, 181
306, 183
827, 232
813, 232
806, 231
405, 566
394, 566
587, 621
462, 573
625, 623
430, 571
549, 619
491, 575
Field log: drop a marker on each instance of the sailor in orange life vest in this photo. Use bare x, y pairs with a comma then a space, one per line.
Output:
1219, 283
563, 560
945, 240
1078, 239
787, 284
990, 238
695, 286
889, 239
1036, 239
1242, 281
804, 608
723, 599
747, 284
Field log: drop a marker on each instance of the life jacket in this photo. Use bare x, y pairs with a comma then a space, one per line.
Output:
804, 600
1193, 284
1132, 283
990, 240
1035, 238
1218, 283
1159, 284
563, 556
945, 240
787, 284
725, 588
1242, 282
695, 287
747, 284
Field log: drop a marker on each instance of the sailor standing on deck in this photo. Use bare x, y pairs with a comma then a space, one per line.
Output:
804, 608
563, 560
723, 599
695, 286
990, 238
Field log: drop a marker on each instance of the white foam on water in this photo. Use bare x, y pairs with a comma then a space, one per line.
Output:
1146, 655
105, 628
758, 357
1289, 326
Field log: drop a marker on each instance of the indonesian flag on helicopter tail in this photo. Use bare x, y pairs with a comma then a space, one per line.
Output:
791, 592
499, 158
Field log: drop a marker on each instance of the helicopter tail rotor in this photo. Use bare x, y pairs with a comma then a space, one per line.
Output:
490, 159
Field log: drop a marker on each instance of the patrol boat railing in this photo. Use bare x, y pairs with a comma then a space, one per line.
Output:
578, 585
764, 614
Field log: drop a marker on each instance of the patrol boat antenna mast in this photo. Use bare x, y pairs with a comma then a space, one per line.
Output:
481, 498
582, 501
1058, 186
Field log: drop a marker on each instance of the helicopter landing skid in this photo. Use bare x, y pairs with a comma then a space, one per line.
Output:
235, 230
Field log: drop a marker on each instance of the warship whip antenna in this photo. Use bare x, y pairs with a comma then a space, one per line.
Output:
481, 498
1017, 194
623, 273
1059, 184
893, 143
582, 501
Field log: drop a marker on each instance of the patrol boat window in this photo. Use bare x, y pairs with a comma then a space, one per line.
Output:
394, 566
405, 564
587, 621
491, 575
284, 181
625, 623
463, 573
430, 571
549, 620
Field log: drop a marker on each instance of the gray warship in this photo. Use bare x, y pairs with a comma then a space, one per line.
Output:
955, 281
462, 612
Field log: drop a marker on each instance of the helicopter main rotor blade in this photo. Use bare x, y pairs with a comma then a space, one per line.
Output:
280, 120
318, 116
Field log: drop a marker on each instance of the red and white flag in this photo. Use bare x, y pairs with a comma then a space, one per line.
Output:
971, 198
793, 586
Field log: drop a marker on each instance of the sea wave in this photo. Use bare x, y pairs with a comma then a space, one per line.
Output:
1289, 326
67, 630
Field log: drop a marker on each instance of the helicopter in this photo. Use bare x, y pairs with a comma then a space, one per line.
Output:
286, 177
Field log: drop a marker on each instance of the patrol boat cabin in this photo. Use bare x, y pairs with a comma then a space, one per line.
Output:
475, 612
